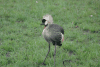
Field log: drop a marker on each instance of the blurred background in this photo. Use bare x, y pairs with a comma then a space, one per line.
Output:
21, 41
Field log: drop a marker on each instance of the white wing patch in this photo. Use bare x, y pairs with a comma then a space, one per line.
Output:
62, 39
46, 22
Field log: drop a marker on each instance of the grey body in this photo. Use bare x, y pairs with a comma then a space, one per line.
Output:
52, 33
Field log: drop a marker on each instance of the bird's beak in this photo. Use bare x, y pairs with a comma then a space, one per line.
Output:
42, 24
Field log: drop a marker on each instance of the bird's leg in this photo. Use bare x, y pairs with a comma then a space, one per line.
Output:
54, 56
47, 54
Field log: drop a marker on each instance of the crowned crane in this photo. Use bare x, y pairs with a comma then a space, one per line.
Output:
52, 33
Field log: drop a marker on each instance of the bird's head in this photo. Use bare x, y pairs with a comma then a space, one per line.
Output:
47, 19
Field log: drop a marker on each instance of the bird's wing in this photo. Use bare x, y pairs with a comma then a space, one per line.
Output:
55, 36
56, 31
56, 28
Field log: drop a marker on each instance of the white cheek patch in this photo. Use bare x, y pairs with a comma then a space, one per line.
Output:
46, 22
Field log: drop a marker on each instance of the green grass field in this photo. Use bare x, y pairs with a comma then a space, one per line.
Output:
22, 43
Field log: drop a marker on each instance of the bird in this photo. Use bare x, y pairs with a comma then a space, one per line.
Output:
52, 33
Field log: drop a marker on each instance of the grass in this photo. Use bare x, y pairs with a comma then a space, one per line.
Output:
21, 42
